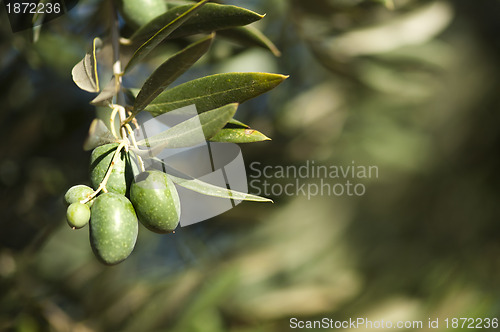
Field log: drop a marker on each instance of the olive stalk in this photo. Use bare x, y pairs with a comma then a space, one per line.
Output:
117, 67
134, 120
128, 119
102, 185
134, 143
116, 109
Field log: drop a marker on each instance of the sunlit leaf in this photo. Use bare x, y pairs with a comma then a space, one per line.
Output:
106, 96
249, 36
169, 71
190, 132
214, 91
211, 190
163, 33
212, 17
85, 72
239, 135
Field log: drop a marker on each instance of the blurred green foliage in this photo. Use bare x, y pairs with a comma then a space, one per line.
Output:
411, 89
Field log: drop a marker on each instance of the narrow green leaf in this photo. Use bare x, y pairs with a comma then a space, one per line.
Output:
239, 135
190, 132
214, 91
85, 72
235, 123
249, 36
169, 71
204, 188
163, 33
211, 190
212, 17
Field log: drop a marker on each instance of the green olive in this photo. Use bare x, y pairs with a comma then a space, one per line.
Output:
113, 228
78, 193
77, 215
139, 12
156, 201
122, 174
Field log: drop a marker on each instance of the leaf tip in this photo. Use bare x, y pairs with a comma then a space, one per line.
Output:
281, 78
262, 136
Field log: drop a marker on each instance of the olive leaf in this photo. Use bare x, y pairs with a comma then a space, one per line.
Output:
238, 124
212, 17
249, 36
106, 96
211, 190
98, 135
85, 72
163, 33
214, 91
239, 135
169, 71
187, 133
205, 188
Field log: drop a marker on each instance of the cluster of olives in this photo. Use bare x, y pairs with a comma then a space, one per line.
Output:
113, 216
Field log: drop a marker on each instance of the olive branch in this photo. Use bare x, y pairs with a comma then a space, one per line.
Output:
211, 94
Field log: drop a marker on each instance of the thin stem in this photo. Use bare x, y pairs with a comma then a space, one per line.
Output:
135, 123
134, 143
117, 66
131, 134
116, 109
127, 120
102, 185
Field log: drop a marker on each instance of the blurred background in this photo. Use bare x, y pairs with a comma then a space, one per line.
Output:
410, 86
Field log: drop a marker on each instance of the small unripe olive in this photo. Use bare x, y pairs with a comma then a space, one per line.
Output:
77, 215
78, 193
